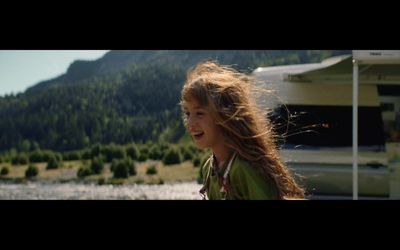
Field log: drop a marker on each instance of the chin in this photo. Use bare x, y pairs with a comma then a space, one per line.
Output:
199, 145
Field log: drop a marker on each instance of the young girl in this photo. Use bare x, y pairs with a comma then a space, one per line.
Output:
220, 114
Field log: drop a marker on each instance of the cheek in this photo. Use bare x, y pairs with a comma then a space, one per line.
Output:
214, 131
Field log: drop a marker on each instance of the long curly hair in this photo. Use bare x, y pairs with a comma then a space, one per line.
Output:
226, 92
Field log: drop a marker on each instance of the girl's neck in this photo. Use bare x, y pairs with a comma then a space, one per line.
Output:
221, 155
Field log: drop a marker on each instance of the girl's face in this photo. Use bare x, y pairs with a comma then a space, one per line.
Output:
201, 126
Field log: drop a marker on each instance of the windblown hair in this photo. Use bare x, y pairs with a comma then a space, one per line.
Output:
226, 92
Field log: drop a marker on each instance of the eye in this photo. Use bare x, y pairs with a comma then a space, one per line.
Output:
199, 113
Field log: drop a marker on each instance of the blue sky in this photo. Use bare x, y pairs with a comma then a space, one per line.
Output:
20, 69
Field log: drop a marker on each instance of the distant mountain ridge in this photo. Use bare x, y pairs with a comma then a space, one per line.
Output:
119, 60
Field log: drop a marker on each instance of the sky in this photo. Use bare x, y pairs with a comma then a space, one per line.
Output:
20, 69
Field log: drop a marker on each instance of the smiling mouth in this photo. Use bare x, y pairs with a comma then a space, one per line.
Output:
198, 136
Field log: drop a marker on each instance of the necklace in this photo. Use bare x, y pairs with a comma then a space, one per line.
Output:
224, 182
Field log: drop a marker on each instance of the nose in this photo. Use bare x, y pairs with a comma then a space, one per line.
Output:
191, 123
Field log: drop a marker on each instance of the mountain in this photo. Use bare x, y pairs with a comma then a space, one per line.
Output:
122, 97
120, 60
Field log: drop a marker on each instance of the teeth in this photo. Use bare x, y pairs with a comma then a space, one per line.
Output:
198, 134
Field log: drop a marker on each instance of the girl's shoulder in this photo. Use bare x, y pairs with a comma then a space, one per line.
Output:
240, 165
248, 182
243, 170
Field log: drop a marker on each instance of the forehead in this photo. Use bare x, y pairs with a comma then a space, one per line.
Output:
191, 104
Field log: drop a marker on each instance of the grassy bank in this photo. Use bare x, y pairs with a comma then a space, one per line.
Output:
182, 172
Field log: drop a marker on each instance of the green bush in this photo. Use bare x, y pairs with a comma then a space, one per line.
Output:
32, 171
96, 150
58, 156
131, 166
36, 156
4, 171
164, 146
196, 161
133, 151
172, 156
71, 156
193, 149
6, 158
23, 159
14, 160
128, 162
118, 152
46, 155
86, 154
112, 151
149, 143
187, 155
155, 153
53, 163
121, 170
97, 165
113, 165
84, 171
143, 153
107, 152
144, 150
151, 170
143, 157
20, 159
75, 156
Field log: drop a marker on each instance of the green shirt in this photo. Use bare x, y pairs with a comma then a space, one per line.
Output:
244, 183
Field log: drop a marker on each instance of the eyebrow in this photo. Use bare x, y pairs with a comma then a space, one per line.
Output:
197, 107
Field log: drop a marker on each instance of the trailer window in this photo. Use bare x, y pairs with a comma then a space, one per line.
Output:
305, 126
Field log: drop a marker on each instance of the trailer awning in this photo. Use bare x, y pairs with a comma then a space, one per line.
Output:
339, 70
